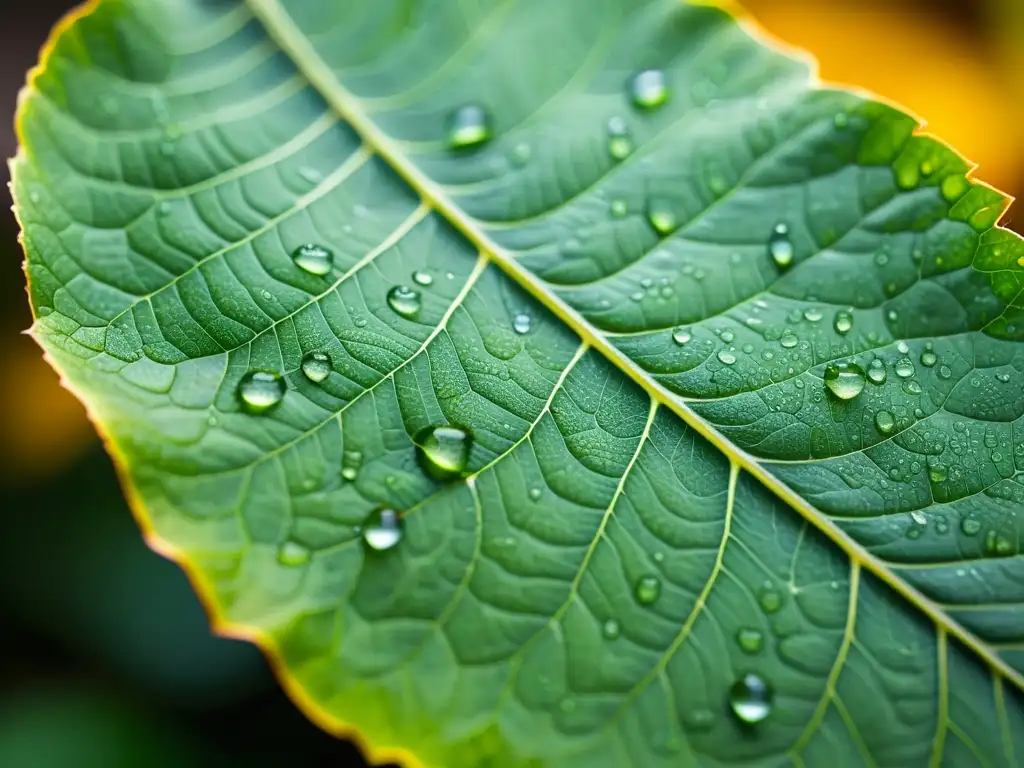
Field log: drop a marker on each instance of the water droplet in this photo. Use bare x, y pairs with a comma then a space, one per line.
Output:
314, 259
292, 554
840, 120
444, 451
885, 422
912, 387
904, 368
535, 494
750, 699
788, 339
970, 526
620, 143
260, 391
422, 277
647, 589
844, 380
468, 126
521, 154
812, 315
404, 300
521, 323
770, 600
649, 89
619, 208
681, 335
382, 529
843, 322
750, 640
780, 246
726, 357
661, 216
349, 473
945, 372
928, 358
877, 373
611, 630
316, 366
919, 517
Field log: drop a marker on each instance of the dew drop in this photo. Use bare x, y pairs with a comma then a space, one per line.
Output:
843, 322
919, 517
521, 323
780, 246
812, 315
945, 372
938, 473
904, 368
750, 699
877, 373
611, 630
521, 154
647, 589
649, 89
316, 366
726, 357
681, 335
912, 387
750, 640
444, 451
885, 422
349, 473
661, 216
844, 380
970, 526
314, 259
468, 126
382, 529
620, 143
404, 300
770, 600
619, 208
292, 554
260, 391
929, 358
788, 339
422, 277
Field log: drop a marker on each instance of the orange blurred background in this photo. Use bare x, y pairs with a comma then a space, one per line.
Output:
957, 64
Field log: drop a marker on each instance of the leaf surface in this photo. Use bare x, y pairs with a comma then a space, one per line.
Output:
633, 309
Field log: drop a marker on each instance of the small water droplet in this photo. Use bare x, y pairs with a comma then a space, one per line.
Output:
444, 451
913, 387
919, 517
750, 699
649, 89
611, 630
788, 339
620, 143
843, 322
812, 314
292, 554
535, 494
521, 154
313, 258
422, 277
260, 391
468, 126
382, 529
316, 366
945, 372
726, 357
876, 372
928, 358
885, 422
780, 247
661, 215
404, 300
647, 589
750, 640
770, 600
349, 473
521, 323
904, 368
938, 473
619, 208
970, 526
844, 380
840, 120
681, 335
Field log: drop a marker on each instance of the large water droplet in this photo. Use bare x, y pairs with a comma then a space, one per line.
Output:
904, 368
750, 699
620, 143
521, 323
444, 451
469, 126
843, 322
928, 358
780, 247
649, 89
750, 640
314, 259
661, 215
876, 372
404, 300
681, 335
383, 529
260, 391
316, 366
844, 380
292, 554
885, 422
647, 589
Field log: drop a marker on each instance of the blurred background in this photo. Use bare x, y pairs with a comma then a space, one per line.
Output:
106, 658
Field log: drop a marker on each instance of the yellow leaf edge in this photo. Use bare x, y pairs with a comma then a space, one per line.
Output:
377, 754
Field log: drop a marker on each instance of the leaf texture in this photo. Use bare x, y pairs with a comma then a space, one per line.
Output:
637, 337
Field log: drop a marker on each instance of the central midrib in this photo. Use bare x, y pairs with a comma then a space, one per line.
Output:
282, 29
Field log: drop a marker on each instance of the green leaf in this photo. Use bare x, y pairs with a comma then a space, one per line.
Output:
741, 358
